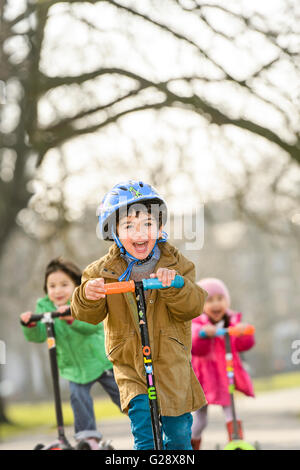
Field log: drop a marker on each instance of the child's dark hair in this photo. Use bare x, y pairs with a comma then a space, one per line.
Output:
61, 264
152, 207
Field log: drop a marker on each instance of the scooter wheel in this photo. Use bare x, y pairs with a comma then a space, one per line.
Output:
83, 445
105, 445
39, 447
237, 444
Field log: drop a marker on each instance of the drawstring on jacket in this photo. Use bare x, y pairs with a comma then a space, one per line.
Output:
132, 260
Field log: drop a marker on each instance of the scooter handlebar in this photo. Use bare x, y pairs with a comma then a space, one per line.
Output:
129, 286
119, 287
154, 283
231, 330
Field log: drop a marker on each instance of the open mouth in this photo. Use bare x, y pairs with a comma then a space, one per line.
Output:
141, 247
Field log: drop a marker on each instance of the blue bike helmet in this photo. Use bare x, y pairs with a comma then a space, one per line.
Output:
121, 196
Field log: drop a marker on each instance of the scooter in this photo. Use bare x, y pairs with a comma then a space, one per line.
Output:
236, 443
138, 288
61, 443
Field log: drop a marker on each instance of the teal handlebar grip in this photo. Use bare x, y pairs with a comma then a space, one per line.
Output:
219, 332
178, 282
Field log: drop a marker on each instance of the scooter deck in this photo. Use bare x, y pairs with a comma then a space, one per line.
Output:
239, 444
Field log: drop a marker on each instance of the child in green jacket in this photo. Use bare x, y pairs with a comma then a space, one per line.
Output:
80, 347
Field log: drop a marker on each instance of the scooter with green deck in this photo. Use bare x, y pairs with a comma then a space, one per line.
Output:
236, 442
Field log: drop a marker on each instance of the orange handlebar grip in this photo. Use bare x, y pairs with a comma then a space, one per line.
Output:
249, 330
232, 331
119, 287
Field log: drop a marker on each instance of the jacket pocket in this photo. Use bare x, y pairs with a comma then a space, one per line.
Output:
122, 349
172, 371
169, 344
114, 348
177, 341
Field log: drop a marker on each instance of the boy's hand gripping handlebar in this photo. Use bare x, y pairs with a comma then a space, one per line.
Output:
231, 330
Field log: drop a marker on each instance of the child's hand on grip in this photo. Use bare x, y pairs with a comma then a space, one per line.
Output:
25, 317
210, 330
165, 276
63, 309
240, 328
94, 289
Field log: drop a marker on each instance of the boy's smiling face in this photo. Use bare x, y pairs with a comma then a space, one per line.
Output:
138, 233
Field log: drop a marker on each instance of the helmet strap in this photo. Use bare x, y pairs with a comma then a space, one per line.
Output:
126, 275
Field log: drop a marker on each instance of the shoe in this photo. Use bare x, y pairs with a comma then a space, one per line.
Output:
196, 443
230, 430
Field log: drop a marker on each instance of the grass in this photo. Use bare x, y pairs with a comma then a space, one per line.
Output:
277, 382
28, 416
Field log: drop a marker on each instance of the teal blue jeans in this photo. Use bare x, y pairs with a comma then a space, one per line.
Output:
176, 430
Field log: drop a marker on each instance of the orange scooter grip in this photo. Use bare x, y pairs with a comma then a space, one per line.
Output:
119, 287
249, 330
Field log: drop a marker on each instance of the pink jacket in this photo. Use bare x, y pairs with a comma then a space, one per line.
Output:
209, 364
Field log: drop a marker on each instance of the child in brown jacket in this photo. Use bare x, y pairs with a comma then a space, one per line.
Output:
132, 215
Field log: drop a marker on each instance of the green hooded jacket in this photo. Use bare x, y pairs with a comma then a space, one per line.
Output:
80, 346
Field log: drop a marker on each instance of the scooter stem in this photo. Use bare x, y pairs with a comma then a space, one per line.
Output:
231, 386
152, 393
55, 379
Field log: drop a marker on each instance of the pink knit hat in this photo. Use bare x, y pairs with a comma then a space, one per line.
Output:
214, 286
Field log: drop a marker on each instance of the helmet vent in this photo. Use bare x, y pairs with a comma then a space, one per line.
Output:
123, 187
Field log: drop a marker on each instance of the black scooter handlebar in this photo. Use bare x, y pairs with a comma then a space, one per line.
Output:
40, 316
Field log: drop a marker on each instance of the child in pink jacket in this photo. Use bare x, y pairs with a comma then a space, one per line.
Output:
208, 356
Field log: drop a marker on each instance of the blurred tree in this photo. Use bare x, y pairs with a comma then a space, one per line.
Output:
236, 55
20, 55
277, 36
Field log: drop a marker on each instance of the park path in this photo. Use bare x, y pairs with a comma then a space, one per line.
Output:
272, 419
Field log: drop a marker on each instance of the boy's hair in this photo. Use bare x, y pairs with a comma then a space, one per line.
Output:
61, 264
150, 207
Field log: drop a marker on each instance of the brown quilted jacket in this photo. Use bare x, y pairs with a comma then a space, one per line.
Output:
169, 315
